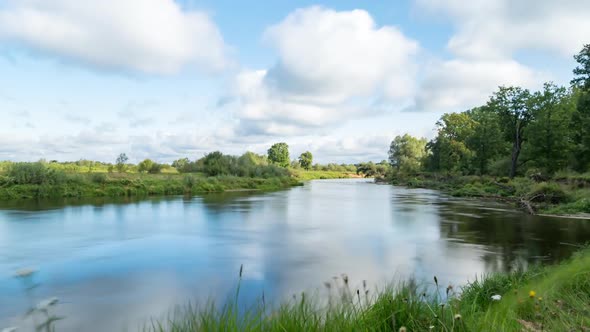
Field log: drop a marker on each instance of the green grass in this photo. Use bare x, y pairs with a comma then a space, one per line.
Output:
304, 175
133, 184
561, 303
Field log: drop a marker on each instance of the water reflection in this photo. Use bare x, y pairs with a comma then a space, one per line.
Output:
131, 259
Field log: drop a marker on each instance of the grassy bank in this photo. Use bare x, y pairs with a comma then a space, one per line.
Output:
305, 175
55, 180
554, 298
564, 194
128, 185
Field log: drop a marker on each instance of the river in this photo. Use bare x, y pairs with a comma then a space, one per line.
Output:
114, 264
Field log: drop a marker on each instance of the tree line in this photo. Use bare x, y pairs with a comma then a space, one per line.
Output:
516, 132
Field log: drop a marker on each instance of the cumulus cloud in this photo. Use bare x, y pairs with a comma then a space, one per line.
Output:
487, 36
496, 29
334, 56
331, 66
151, 36
459, 83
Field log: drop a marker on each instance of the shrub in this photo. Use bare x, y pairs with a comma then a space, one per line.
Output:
35, 173
98, 178
548, 193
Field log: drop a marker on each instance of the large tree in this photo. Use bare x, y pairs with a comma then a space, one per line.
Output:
486, 140
279, 154
514, 109
581, 118
407, 152
454, 131
549, 134
582, 71
305, 160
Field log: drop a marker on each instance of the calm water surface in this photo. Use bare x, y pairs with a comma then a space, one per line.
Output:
115, 264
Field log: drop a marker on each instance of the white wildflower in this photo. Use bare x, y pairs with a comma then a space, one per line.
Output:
496, 297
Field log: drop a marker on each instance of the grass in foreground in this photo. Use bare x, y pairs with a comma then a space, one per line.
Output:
555, 298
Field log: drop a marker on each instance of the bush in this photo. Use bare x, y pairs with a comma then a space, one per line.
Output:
99, 178
548, 193
189, 181
35, 173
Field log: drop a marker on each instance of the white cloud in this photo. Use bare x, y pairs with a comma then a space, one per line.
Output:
487, 36
152, 36
496, 29
337, 55
459, 84
331, 67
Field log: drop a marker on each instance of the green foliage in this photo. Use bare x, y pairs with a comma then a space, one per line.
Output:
406, 153
145, 166
98, 178
548, 193
371, 169
306, 160
278, 154
582, 71
549, 132
34, 173
121, 162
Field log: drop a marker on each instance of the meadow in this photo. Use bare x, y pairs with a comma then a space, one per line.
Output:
77, 180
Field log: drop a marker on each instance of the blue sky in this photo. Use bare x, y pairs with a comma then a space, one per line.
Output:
165, 79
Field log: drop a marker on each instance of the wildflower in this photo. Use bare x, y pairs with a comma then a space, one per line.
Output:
402, 329
45, 304
10, 329
431, 327
23, 273
458, 317
496, 297
532, 294
540, 299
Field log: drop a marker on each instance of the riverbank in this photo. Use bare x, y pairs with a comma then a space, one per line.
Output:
551, 298
86, 185
563, 195
130, 185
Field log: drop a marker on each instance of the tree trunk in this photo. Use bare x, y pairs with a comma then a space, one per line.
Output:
515, 152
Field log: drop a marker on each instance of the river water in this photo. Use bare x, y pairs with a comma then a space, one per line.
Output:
114, 264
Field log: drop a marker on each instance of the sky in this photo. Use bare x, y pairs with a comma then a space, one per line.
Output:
166, 79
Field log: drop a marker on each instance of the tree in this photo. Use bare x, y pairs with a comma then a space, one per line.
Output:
305, 160
216, 163
121, 162
145, 166
407, 152
486, 140
454, 132
181, 165
512, 105
549, 131
581, 117
582, 72
279, 154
